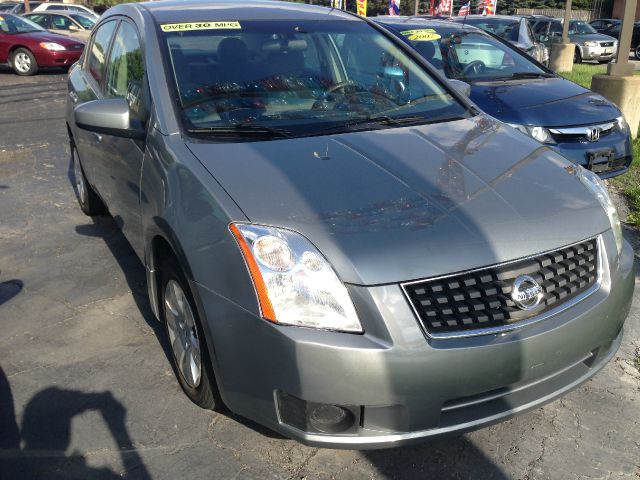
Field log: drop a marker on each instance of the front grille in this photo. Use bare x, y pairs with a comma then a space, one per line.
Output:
481, 299
606, 44
77, 46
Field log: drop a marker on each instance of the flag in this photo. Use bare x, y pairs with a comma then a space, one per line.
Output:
444, 7
489, 7
394, 7
464, 10
361, 5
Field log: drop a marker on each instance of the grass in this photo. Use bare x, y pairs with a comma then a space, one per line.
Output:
629, 183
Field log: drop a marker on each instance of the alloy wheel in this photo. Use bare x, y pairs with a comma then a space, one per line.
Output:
22, 62
79, 177
183, 335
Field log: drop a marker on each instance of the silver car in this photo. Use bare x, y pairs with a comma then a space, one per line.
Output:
340, 246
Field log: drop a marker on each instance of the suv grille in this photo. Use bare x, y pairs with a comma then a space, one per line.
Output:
606, 44
481, 299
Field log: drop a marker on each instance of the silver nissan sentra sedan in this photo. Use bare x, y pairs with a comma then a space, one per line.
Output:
341, 246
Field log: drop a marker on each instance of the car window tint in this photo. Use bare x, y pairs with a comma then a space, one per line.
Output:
556, 27
42, 20
98, 52
541, 27
60, 23
56, 7
125, 70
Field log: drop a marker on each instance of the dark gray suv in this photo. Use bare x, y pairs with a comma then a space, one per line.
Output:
340, 245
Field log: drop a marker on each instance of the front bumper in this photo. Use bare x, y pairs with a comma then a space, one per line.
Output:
409, 387
598, 53
46, 58
582, 152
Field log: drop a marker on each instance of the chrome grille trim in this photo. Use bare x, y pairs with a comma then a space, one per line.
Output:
601, 254
584, 129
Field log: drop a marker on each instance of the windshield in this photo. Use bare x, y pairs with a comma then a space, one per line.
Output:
86, 22
467, 55
303, 78
6, 7
501, 27
580, 28
12, 24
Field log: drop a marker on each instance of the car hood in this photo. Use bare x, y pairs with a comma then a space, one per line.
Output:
48, 37
398, 204
591, 37
550, 102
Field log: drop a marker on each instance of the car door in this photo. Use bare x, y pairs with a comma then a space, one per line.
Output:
123, 157
5, 41
85, 84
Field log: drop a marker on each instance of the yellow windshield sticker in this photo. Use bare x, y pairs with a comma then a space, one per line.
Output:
183, 27
421, 35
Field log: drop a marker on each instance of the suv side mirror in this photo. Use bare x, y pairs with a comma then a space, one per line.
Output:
109, 116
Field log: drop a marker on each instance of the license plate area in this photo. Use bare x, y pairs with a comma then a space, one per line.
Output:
607, 51
600, 161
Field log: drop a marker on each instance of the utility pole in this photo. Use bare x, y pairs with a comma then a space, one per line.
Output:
567, 19
620, 85
27, 7
416, 8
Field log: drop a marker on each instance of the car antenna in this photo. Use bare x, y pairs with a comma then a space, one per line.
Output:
466, 14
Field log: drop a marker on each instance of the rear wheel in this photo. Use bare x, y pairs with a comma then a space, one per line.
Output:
23, 62
88, 199
577, 56
603, 61
190, 358
636, 52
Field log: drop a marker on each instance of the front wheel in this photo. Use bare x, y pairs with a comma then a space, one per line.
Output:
190, 358
23, 62
636, 52
88, 199
577, 56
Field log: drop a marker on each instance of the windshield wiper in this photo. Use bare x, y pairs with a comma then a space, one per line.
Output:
242, 130
366, 122
522, 75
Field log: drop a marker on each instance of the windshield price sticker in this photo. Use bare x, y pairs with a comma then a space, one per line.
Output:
183, 27
421, 35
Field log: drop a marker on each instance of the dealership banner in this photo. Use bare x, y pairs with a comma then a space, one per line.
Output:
362, 7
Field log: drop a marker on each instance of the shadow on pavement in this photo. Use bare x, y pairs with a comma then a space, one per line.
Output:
46, 435
10, 289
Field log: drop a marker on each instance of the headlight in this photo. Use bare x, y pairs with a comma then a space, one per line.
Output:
590, 44
599, 189
295, 284
540, 134
622, 124
56, 47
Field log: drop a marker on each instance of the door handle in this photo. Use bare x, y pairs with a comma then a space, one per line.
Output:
73, 96
98, 137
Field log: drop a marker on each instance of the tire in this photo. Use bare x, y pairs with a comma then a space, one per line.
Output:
601, 62
577, 56
88, 199
636, 52
23, 62
175, 296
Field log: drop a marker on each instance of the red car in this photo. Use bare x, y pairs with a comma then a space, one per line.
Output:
26, 46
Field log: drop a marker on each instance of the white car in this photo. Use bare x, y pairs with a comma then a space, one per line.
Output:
66, 7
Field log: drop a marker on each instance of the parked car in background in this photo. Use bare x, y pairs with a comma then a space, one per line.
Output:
341, 246
67, 8
590, 45
614, 31
17, 7
514, 29
73, 24
603, 24
508, 85
26, 46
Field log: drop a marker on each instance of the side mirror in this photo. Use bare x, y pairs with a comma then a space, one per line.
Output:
74, 28
461, 87
543, 38
109, 116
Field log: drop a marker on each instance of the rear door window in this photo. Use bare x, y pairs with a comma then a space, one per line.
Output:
98, 52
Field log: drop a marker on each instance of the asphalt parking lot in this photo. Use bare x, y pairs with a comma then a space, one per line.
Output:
87, 392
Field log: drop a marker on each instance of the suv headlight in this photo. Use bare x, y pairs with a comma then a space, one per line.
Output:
622, 124
540, 134
590, 44
594, 183
295, 284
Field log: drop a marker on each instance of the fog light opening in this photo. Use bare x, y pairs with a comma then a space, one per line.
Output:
331, 418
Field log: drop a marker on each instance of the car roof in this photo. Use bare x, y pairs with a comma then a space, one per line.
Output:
407, 20
230, 10
489, 17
